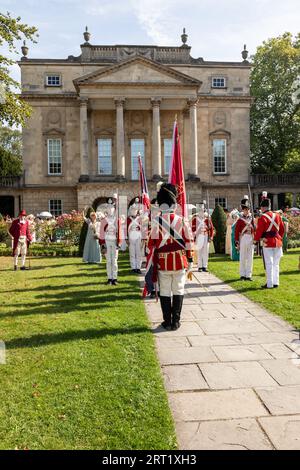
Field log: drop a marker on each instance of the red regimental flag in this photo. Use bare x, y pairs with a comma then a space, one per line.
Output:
144, 187
176, 175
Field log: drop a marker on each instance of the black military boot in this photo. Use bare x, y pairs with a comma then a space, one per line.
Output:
166, 306
176, 311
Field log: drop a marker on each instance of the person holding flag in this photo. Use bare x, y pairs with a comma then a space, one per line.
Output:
170, 242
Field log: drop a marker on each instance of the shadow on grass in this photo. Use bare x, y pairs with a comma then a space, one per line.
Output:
37, 341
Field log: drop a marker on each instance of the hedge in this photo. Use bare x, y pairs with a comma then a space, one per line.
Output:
38, 249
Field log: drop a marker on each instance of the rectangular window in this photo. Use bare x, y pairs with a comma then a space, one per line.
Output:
219, 156
104, 156
137, 146
167, 155
55, 207
218, 82
53, 80
54, 156
221, 201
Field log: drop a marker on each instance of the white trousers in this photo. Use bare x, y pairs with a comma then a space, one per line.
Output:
202, 253
272, 259
111, 259
135, 253
246, 255
171, 282
21, 249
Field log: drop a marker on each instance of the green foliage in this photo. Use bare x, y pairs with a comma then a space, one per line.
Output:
83, 232
10, 165
3, 230
13, 109
219, 221
40, 249
275, 112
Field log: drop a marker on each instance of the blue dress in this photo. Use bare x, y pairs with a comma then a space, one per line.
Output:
91, 251
235, 255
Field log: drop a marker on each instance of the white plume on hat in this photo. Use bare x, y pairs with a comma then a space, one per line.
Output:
246, 196
264, 194
115, 196
159, 185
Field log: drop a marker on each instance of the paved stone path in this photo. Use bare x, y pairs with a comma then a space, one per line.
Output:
232, 371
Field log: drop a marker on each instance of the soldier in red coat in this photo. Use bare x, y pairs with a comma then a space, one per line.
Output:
170, 243
243, 236
203, 231
270, 229
20, 232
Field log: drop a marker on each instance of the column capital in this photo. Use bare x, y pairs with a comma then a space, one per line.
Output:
83, 101
192, 102
119, 102
155, 101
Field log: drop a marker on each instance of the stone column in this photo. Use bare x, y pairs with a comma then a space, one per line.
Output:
156, 141
119, 102
294, 200
194, 140
84, 140
275, 202
255, 201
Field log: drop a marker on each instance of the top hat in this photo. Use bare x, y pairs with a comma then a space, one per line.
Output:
23, 213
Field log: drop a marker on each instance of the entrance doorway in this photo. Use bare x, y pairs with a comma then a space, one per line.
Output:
7, 206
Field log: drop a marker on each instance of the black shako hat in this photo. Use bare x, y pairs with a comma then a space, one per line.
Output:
266, 202
245, 203
167, 194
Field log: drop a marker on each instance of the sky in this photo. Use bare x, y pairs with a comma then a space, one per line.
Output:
217, 29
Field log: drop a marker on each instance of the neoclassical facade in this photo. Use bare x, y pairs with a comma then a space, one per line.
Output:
94, 113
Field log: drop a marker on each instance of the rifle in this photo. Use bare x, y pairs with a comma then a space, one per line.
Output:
252, 212
208, 235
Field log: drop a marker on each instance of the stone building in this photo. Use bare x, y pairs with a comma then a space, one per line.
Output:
93, 113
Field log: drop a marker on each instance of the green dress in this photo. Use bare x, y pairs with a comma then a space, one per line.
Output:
235, 255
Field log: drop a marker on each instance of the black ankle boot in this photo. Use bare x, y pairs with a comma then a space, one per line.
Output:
176, 311
166, 306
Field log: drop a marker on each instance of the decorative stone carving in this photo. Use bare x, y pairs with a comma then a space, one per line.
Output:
137, 118
220, 118
53, 118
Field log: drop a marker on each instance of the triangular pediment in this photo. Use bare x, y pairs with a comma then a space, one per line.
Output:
137, 70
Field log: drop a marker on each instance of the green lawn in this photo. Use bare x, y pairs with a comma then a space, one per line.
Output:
81, 368
284, 301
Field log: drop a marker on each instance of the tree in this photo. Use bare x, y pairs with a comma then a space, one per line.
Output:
10, 152
13, 110
275, 112
218, 218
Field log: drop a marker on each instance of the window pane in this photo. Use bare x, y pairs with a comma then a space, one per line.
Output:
219, 155
167, 155
137, 146
104, 156
221, 201
53, 80
218, 82
55, 207
54, 156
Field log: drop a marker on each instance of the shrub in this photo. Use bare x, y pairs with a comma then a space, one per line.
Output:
68, 227
3, 231
219, 221
294, 227
39, 249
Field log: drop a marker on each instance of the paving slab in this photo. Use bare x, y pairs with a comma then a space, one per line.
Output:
186, 329
281, 400
284, 431
279, 351
183, 377
234, 434
236, 375
172, 343
231, 326
251, 352
213, 340
192, 355
207, 405
284, 371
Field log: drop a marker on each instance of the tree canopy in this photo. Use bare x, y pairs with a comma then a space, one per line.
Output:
13, 110
10, 152
275, 112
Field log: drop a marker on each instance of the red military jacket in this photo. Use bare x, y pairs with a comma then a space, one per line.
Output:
242, 227
170, 242
198, 228
270, 229
17, 229
108, 225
